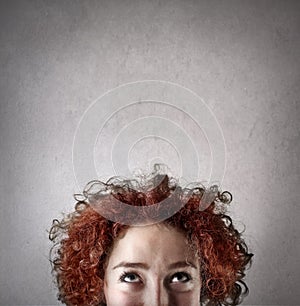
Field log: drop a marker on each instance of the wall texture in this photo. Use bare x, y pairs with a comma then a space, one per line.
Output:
241, 57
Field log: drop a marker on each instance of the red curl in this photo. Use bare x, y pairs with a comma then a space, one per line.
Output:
84, 239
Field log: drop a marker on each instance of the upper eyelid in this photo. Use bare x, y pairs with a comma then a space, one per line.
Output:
188, 270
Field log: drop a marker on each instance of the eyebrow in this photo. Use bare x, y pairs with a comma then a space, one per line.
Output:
182, 264
144, 266
124, 264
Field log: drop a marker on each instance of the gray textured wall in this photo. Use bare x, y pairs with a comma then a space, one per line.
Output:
241, 57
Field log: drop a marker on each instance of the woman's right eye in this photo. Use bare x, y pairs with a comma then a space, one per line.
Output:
130, 278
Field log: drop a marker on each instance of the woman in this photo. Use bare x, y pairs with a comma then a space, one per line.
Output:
180, 250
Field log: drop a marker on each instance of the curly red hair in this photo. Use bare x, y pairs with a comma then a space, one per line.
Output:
84, 239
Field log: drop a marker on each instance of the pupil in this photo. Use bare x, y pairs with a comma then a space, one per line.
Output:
131, 276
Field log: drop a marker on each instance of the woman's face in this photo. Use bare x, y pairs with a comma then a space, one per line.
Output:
152, 265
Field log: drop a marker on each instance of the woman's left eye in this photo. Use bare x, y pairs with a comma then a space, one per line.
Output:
180, 277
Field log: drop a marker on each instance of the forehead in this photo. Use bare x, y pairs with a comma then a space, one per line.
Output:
150, 243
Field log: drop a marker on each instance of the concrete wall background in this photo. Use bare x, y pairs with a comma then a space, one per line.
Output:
241, 57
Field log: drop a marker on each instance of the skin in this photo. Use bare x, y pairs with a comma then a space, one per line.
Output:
154, 266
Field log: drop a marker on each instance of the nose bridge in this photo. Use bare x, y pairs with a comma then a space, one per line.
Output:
159, 294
